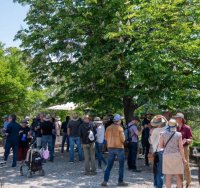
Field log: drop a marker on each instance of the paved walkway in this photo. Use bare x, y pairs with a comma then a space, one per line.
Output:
63, 174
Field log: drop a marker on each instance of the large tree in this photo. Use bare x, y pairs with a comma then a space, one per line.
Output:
116, 54
16, 93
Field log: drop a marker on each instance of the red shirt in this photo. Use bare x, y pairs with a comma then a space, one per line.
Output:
186, 132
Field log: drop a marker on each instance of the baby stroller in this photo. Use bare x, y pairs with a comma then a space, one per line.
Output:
33, 163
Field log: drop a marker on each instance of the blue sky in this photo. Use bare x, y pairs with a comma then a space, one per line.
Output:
11, 20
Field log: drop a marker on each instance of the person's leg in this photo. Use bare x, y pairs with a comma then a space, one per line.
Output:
71, 151
50, 145
134, 154
80, 154
143, 148
168, 180
111, 159
86, 156
92, 157
7, 151
187, 166
14, 148
121, 158
155, 179
160, 176
179, 181
101, 154
129, 157
147, 147
63, 142
39, 142
44, 142
53, 144
67, 140
97, 152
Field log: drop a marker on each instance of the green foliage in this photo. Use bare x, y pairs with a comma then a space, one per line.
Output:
116, 54
16, 93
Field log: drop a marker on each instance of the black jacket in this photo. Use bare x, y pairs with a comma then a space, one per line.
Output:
13, 129
84, 132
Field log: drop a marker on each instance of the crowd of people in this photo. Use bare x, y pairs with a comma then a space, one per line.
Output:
164, 140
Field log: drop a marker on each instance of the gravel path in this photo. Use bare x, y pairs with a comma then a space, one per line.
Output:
63, 174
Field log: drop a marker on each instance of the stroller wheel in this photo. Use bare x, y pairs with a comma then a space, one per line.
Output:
29, 174
24, 170
42, 172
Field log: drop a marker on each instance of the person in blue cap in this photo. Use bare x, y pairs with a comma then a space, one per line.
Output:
115, 142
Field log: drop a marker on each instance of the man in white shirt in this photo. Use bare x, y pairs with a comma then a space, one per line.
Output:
99, 141
159, 123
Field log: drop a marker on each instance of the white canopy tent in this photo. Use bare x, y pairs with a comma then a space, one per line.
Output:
68, 106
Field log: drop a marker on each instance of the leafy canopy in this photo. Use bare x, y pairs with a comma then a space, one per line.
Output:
116, 54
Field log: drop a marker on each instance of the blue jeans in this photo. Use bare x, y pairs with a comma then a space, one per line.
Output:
111, 158
65, 138
158, 175
99, 148
77, 141
132, 155
53, 143
48, 141
14, 147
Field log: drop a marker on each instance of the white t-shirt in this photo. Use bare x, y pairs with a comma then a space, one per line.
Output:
100, 134
155, 136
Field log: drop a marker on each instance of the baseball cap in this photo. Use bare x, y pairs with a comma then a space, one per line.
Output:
117, 117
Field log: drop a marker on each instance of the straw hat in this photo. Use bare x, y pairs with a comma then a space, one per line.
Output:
157, 121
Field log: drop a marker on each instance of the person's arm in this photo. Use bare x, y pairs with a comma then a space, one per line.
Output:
106, 135
189, 136
134, 130
180, 144
122, 136
161, 142
68, 129
29, 133
8, 130
41, 129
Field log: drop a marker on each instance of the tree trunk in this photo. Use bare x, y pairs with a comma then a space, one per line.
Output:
129, 108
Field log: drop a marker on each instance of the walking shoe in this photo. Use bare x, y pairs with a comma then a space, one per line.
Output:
71, 162
135, 170
122, 184
93, 173
104, 184
87, 173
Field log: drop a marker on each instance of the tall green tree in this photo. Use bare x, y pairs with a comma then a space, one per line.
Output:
16, 93
116, 54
